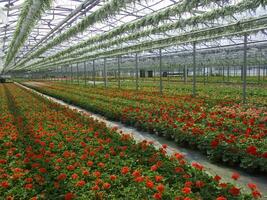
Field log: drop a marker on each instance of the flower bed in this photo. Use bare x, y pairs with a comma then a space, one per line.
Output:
58, 154
223, 130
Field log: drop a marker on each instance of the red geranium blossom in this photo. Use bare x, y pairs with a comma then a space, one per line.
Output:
69, 196
160, 188
252, 150
80, 183
149, 184
256, 194
214, 144
74, 176
106, 186
217, 178
153, 167
4, 184
95, 187
186, 190
28, 186
221, 198
139, 179
61, 177
158, 178
252, 186
235, 176
157, 196
234, 191
197, 166
113, 177
125, 170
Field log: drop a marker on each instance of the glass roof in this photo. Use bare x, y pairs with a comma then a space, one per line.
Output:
66, 13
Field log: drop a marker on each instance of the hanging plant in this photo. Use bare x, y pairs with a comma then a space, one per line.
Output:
193, 21
248, 26
30, 14
108, 10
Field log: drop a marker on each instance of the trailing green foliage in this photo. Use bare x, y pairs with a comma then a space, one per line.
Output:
152, 19
29, 16
195, 20
109, 9
239, 28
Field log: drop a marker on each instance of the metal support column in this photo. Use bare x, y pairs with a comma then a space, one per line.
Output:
244, 71
77, 67
84, 73
105, 72
228, 73
136, 72
94, 72
259, 72
71, 75
194, 69
61, 73
185, 74
160, 71
119, 72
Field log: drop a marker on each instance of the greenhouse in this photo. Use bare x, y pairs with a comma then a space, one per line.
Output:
133, 99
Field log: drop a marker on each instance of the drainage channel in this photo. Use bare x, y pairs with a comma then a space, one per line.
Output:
191, 155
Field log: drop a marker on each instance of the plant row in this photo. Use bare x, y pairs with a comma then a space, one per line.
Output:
222, 129
51, 152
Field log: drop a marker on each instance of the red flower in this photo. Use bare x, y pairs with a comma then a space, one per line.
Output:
252, 150
186, 190
97, 174
69, 196
235, 176
149, 184
61, 177
3, 161
113, 177
200, 184
164, 146
4, 184
252, 186
160, 188
157, 196
264, 155
234, 191
106, 186
221, 198
101, 165
96, 187
42, 170
223, 185
217, 178
125, 170
179, 156
158, 178
136, 173
70, 167
74, 176
188, 184
197, 166
179, 169
90, 163
28, 186
153, 168
80, 183
86, 172
256, 194
139, 179
28, 180
214, 144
